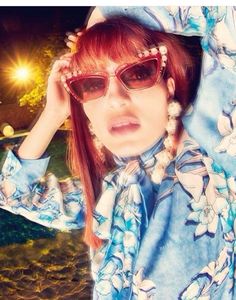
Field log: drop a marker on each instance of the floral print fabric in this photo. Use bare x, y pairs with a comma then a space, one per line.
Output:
24, 190
175, 240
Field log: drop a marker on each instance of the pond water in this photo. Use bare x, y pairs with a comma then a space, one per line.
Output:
40, 263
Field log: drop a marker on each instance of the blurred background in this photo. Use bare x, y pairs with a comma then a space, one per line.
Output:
36, 262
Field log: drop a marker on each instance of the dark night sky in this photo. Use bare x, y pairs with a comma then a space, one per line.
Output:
35, 20
21, 28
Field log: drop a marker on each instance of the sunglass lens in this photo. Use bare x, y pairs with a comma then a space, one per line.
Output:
141, 75
88, 88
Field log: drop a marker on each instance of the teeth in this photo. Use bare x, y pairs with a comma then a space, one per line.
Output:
123, 124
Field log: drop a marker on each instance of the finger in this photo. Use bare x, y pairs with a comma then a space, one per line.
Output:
67, 56
66, 40
71, 45
72, 38
69, 33
59, 65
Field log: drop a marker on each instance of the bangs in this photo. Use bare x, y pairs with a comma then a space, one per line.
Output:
114, 41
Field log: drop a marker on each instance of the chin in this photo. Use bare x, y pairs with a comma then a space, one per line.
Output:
129, 151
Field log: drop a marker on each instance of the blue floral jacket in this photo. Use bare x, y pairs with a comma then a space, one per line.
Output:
186, 245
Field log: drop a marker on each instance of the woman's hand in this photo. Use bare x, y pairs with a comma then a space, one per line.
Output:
56, 111
58, 99
72, 39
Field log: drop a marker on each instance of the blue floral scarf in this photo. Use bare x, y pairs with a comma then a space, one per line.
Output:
120, 219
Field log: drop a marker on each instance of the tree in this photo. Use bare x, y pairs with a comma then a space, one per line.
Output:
46, 53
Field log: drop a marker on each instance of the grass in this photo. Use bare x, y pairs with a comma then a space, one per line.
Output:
56, 151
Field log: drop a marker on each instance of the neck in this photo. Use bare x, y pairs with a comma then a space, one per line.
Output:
143, 157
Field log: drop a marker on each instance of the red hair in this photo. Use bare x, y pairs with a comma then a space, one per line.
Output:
117, 39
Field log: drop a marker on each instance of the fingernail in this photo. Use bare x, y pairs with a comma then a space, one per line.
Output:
69, 33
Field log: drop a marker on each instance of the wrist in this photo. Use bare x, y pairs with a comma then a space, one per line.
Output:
54, 117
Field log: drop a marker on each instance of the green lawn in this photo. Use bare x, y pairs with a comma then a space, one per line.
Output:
57, 153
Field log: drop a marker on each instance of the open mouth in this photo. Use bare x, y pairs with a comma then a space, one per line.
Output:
124, 125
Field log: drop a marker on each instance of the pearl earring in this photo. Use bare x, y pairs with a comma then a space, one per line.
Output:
165, 156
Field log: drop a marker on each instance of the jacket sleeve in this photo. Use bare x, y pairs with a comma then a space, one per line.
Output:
25, 190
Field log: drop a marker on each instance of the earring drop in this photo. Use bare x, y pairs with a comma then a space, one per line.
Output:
174, 112
165, 156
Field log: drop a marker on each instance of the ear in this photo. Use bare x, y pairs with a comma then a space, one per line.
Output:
170, 84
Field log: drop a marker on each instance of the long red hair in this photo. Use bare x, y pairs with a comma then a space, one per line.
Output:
117, 39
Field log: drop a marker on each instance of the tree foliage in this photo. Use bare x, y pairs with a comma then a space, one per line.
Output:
44, 56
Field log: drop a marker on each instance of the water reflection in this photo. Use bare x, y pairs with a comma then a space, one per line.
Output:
39, 263
49, 268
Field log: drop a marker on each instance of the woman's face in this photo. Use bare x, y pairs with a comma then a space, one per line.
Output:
129, 122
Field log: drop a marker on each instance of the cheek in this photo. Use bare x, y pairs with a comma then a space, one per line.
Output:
153, 106
94, 114
90, 111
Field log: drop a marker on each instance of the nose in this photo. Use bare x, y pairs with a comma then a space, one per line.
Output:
117, 95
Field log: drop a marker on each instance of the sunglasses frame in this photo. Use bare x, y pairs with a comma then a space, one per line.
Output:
159, 57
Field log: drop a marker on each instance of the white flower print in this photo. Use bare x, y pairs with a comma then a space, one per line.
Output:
227, 128
104, 287
130, 239
192, 292
228, 144
215, 273
144, 289
231, 181
206, 214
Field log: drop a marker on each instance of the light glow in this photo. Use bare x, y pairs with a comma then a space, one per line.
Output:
21, 73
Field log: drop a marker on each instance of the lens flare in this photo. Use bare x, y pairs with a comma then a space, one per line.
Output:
21, 73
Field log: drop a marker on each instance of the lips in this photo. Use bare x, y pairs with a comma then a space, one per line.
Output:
123, 125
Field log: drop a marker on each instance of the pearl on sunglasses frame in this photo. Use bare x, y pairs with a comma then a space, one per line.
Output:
162, 49
153, 50
164, 58
69, 75
146, 53
75, 73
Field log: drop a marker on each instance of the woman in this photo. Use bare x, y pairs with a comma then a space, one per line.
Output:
162, 225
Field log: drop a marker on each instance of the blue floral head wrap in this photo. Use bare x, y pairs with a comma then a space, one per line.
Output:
212, 119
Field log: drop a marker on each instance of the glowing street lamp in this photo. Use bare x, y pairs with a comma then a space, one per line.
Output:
21, 74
